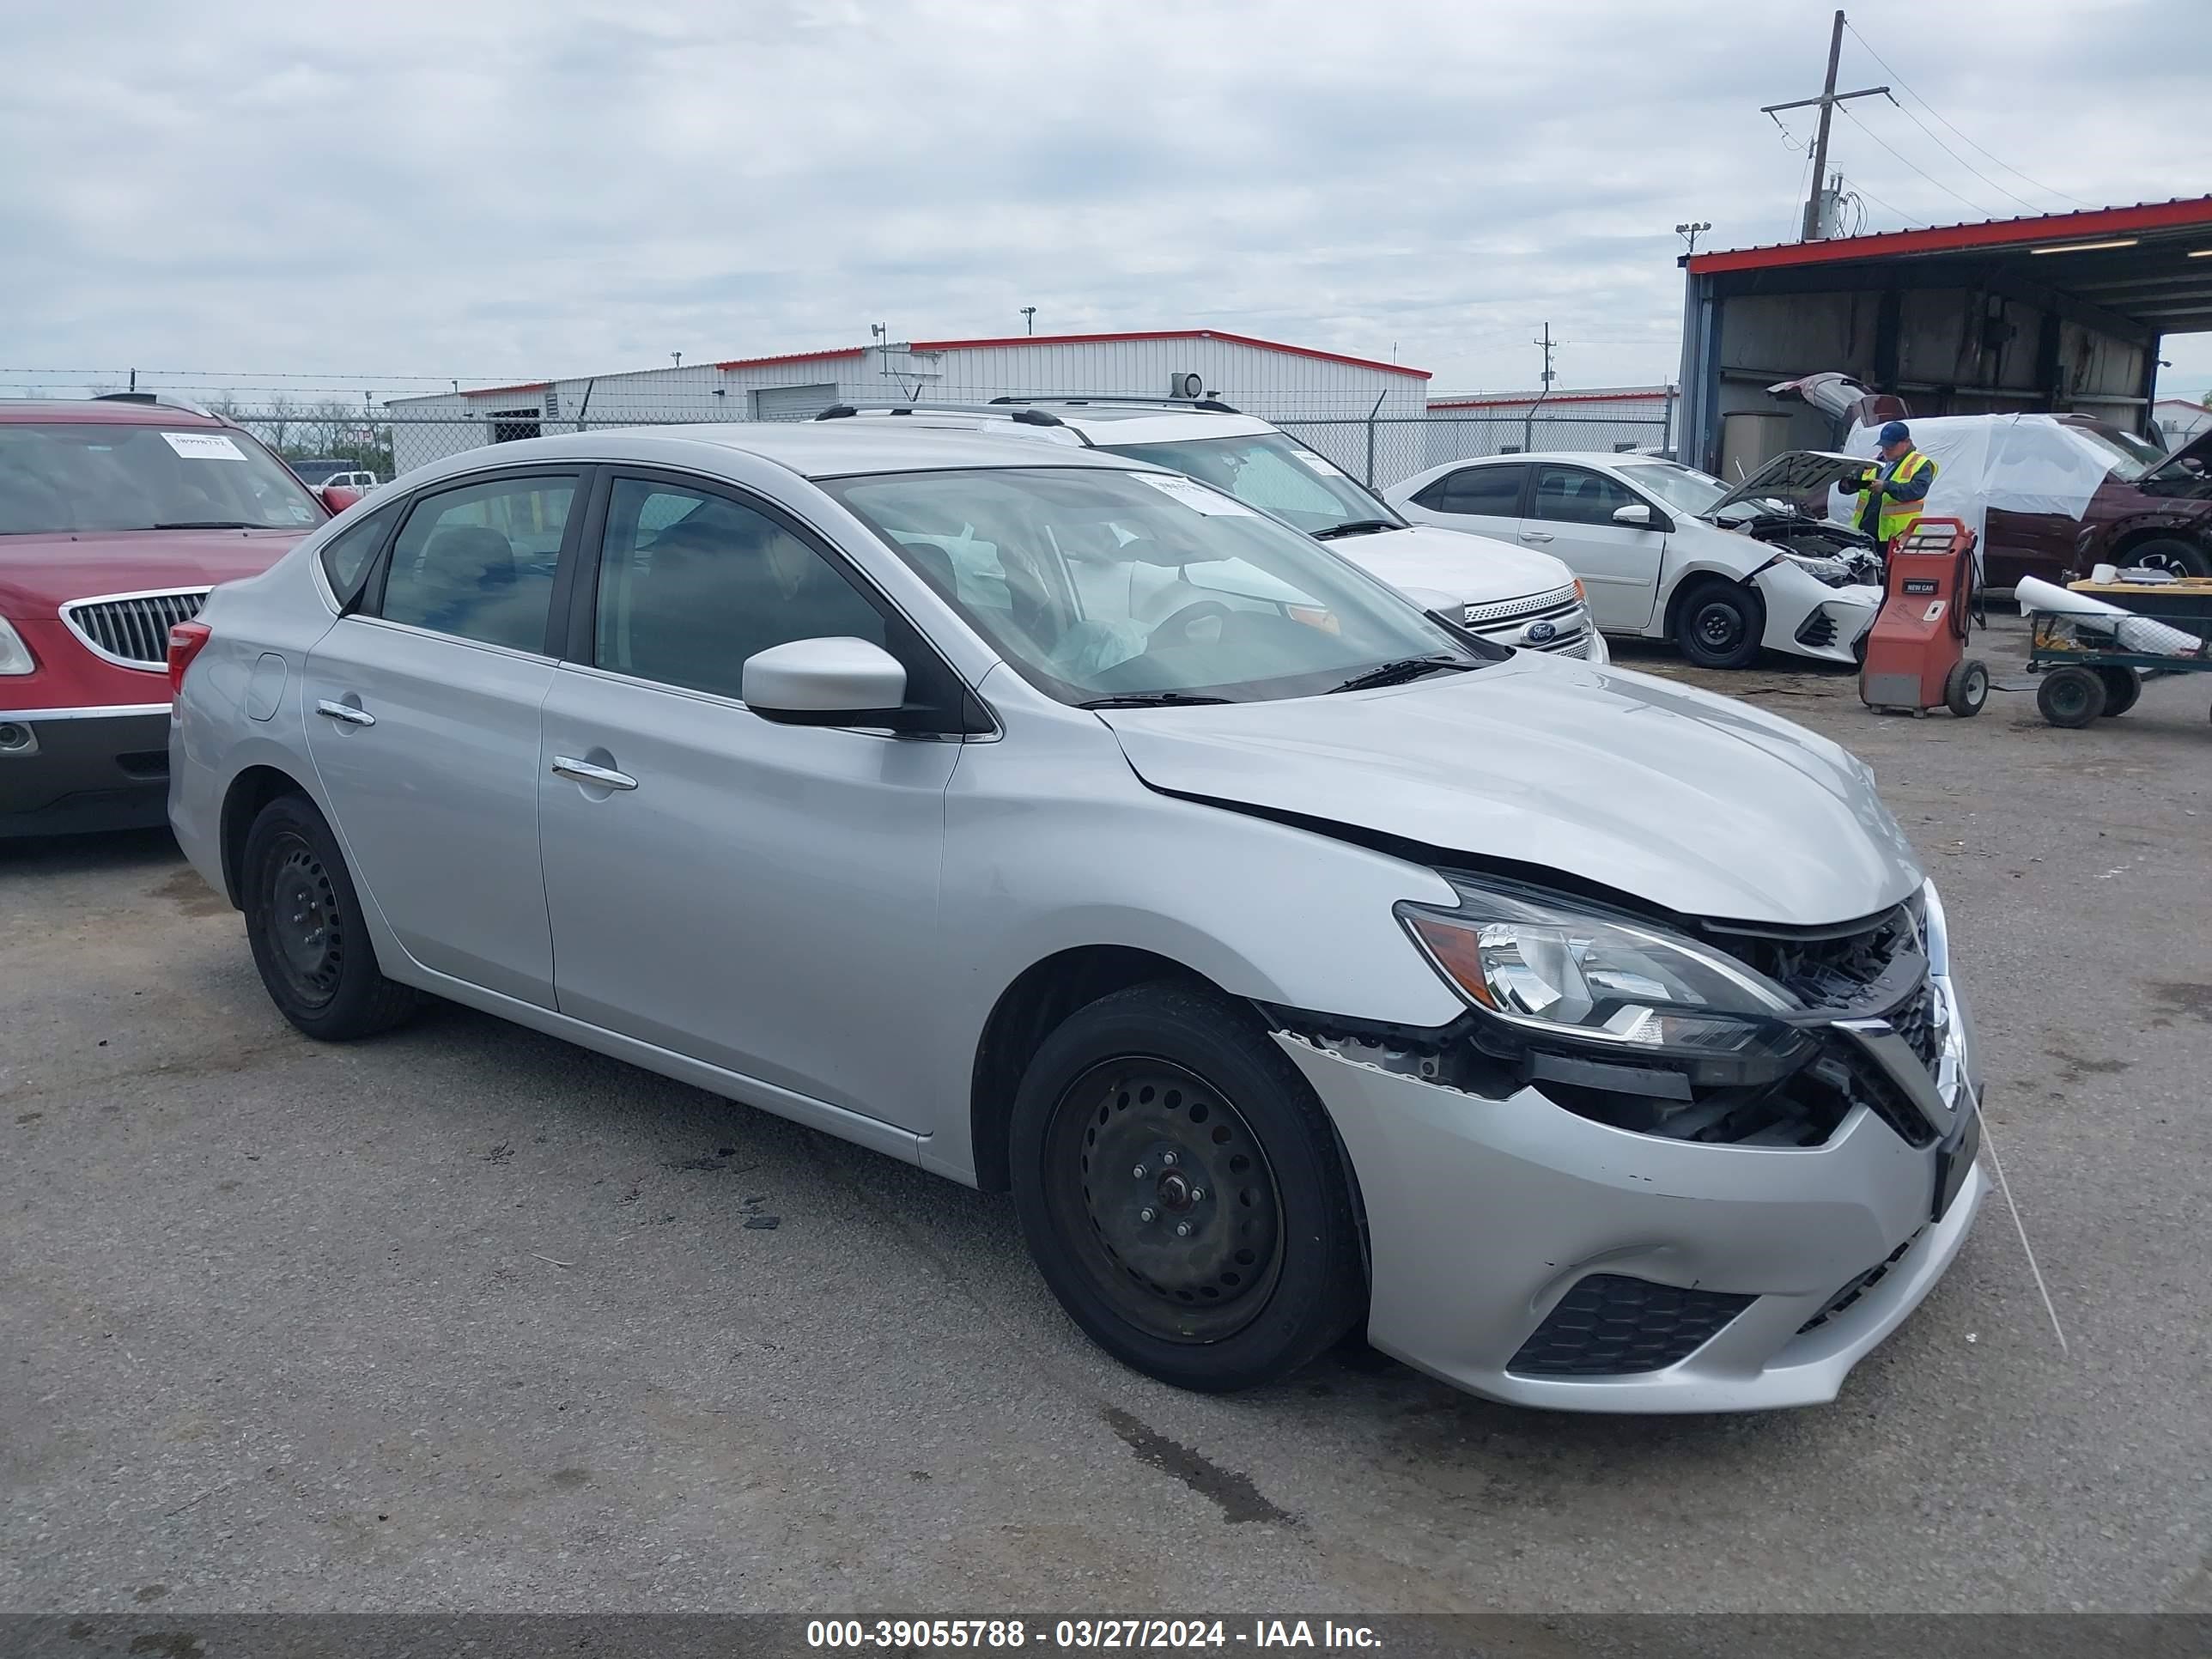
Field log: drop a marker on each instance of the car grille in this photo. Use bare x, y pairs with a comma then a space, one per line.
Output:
1819, 630
1558, 615
1610, 1324
132, 628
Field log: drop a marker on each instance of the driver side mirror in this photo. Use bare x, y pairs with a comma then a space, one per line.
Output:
1636, 515
825, 682
338, 497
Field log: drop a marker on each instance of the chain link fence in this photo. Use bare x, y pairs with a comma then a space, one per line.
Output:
1376, 447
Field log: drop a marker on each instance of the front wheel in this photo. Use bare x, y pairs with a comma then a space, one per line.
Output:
303, 920
1719, 623
2171, 554
2071, 697
1180, 1189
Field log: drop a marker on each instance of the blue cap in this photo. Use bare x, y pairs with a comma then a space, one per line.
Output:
1896, 432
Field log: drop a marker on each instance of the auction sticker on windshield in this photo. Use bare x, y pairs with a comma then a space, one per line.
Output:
204, 446
1321, 463
1197, 496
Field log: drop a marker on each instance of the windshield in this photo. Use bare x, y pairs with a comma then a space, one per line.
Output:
1275, 473
103, 476
1683, 487
2125, 456
1096, 584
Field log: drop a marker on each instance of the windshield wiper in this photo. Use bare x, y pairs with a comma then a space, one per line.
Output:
1403, 669
1356, 527
206, 523
1149, 699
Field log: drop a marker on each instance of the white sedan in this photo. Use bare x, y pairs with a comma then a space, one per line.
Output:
1665, 551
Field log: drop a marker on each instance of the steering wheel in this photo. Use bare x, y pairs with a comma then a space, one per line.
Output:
1190, 616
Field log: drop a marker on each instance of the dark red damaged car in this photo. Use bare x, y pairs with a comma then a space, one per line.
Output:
117, 515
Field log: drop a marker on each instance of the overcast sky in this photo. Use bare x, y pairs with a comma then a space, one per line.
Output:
494, 191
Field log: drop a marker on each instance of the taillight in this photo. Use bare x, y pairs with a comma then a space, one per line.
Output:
186, 640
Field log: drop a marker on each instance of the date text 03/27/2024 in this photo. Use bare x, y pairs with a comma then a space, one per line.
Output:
1087, 1633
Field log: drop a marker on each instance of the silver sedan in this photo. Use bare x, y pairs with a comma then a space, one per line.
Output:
1059, 824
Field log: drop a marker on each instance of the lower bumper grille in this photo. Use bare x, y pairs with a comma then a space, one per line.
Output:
1858, 1286
1818, 631
1610, 1324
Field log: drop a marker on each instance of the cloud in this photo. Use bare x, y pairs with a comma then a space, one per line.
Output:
510, 191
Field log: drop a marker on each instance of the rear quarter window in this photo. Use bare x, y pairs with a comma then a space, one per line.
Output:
348, 556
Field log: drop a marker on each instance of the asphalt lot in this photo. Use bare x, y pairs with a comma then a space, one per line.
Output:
464, 1318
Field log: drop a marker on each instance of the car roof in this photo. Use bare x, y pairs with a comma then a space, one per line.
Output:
828, 449
1101, 420
93, 411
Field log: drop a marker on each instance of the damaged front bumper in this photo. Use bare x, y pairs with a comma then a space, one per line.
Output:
1807, 617
1531, 1255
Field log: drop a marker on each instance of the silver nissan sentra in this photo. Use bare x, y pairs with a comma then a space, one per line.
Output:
1060, 825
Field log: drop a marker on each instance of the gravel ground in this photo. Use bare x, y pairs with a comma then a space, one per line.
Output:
464, 1318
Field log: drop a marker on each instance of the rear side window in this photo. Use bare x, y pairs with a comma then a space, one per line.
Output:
1487, 491
692, 584
479, 562
347, 555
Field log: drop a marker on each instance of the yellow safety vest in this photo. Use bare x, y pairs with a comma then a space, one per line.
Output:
1899, 517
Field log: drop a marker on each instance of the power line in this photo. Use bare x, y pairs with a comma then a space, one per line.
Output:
1917, 167
1933, 138
2046, 189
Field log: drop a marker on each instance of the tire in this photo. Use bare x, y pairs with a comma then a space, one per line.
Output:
2173, 553
2122, 687
1717, 624
1182, 1085
1966, 688
2071, 697
304, 922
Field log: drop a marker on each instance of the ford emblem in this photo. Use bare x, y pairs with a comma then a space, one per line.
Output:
1542, 633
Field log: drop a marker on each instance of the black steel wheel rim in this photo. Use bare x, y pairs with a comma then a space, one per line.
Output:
2069, 696
1719, 626
306, 935
1164, 1195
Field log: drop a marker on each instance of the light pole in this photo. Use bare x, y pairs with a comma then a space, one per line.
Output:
1693, 230
1029, 317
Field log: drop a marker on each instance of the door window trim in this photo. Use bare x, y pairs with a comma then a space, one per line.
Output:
370, 605
577, 646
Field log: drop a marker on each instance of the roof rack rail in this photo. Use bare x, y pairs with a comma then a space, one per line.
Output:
1022, 417
161, 399
1208, 405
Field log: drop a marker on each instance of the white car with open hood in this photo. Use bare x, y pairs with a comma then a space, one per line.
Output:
1668, 552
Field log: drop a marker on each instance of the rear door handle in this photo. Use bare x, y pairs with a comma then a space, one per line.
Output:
1535, 535
584, 772
344, 711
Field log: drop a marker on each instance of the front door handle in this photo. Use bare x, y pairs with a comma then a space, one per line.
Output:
344, 711
584, 772
1535, 535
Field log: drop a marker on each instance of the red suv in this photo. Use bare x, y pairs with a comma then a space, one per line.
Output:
117, 515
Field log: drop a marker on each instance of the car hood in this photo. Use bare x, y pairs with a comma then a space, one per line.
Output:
1797, 475
1696, 803
40, 573
1472, 569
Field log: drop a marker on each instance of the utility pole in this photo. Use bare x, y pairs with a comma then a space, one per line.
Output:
1827, 100
1029, 316
1528, 421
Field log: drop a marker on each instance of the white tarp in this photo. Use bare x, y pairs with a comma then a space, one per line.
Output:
2020, 463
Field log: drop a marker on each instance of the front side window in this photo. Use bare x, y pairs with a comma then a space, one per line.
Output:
1568, 494
1095, 583
1273, 473
103, 476
479, 562
692, 584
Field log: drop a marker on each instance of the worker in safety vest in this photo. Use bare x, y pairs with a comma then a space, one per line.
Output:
1895, 489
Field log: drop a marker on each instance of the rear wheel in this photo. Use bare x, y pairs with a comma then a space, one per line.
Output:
2071, 697
2122, 687
304, 922
2171, 554
1719, 623
1180, 1189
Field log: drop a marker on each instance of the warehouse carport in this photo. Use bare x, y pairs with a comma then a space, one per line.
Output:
2060, 312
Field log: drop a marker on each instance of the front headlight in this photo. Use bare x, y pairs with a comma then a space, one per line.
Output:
1549, 972
15, 655
1834, 572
